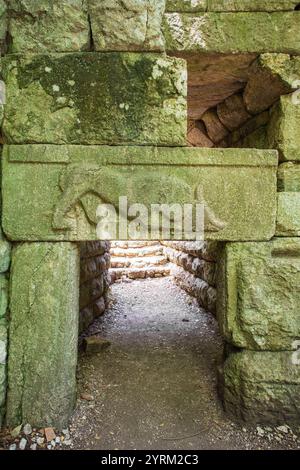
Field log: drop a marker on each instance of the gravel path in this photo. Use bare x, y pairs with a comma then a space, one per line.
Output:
155, 386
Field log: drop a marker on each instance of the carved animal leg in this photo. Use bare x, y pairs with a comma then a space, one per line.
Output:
211, 222
68, 200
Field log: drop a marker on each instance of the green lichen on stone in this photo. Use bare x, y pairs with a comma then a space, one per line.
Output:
232, 32
3, 296
3, 27
43, 334
252, 5
59, 201
288, 214
95, 99
127, 25
259, 294
262, 386
3, 343
289, 177
40, 26
283, 129
188, 6
2, 392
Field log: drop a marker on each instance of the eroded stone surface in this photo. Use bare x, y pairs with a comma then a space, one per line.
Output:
232, 32
271, 76
3, 27
289, 177
262, 386
288, 214
96, 99
259, 295
125, 25
43, 334
67, 193
252, 5
186, 5
283, 129
39, 26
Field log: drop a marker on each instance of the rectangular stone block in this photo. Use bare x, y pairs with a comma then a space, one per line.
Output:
283, 129
61, 187
232, 32
2, 392
108, 98
188, 6
262, 386
40, 26
289, 177
252, 5
288, 214
3, 296
43, 334
3, 27
259, 294
127, 25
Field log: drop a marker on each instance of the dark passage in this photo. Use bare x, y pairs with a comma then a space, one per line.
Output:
155, 386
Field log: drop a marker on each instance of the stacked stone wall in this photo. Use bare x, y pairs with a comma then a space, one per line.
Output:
94, 281
194, 269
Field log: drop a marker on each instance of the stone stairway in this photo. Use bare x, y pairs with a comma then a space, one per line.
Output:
137, 260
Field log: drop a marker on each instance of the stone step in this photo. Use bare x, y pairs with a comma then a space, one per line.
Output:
140, 273
155, 250
137, 262
133, 244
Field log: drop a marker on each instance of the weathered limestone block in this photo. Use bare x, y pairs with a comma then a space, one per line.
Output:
95, 99
198, 288
196, 266
43, 334
283, 129
68, 193
127, 25
288, 214
232, 112
3, 27
57, 26
271, 76
232, 32
3, 296
215, 129
4, 255
188, 6
197, 137
209, 251
259, 294
262, 386
289, 177
252, 5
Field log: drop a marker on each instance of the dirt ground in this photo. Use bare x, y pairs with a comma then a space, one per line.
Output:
155, 386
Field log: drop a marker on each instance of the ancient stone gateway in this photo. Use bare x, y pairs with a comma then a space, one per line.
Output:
151, 100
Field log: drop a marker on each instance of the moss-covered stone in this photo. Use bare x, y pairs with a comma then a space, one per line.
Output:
40, 26
3, 27
95, 99
289, 177
232, 32
262, 386
259, 294
252, 5
2, 392
3, 296
283, 129
181, 6
288, 214
270, 76
127, 25
43, 334
60, 188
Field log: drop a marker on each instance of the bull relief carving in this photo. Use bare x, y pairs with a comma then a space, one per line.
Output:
107, 184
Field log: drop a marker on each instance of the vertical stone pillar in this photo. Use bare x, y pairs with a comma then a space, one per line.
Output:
43, 334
